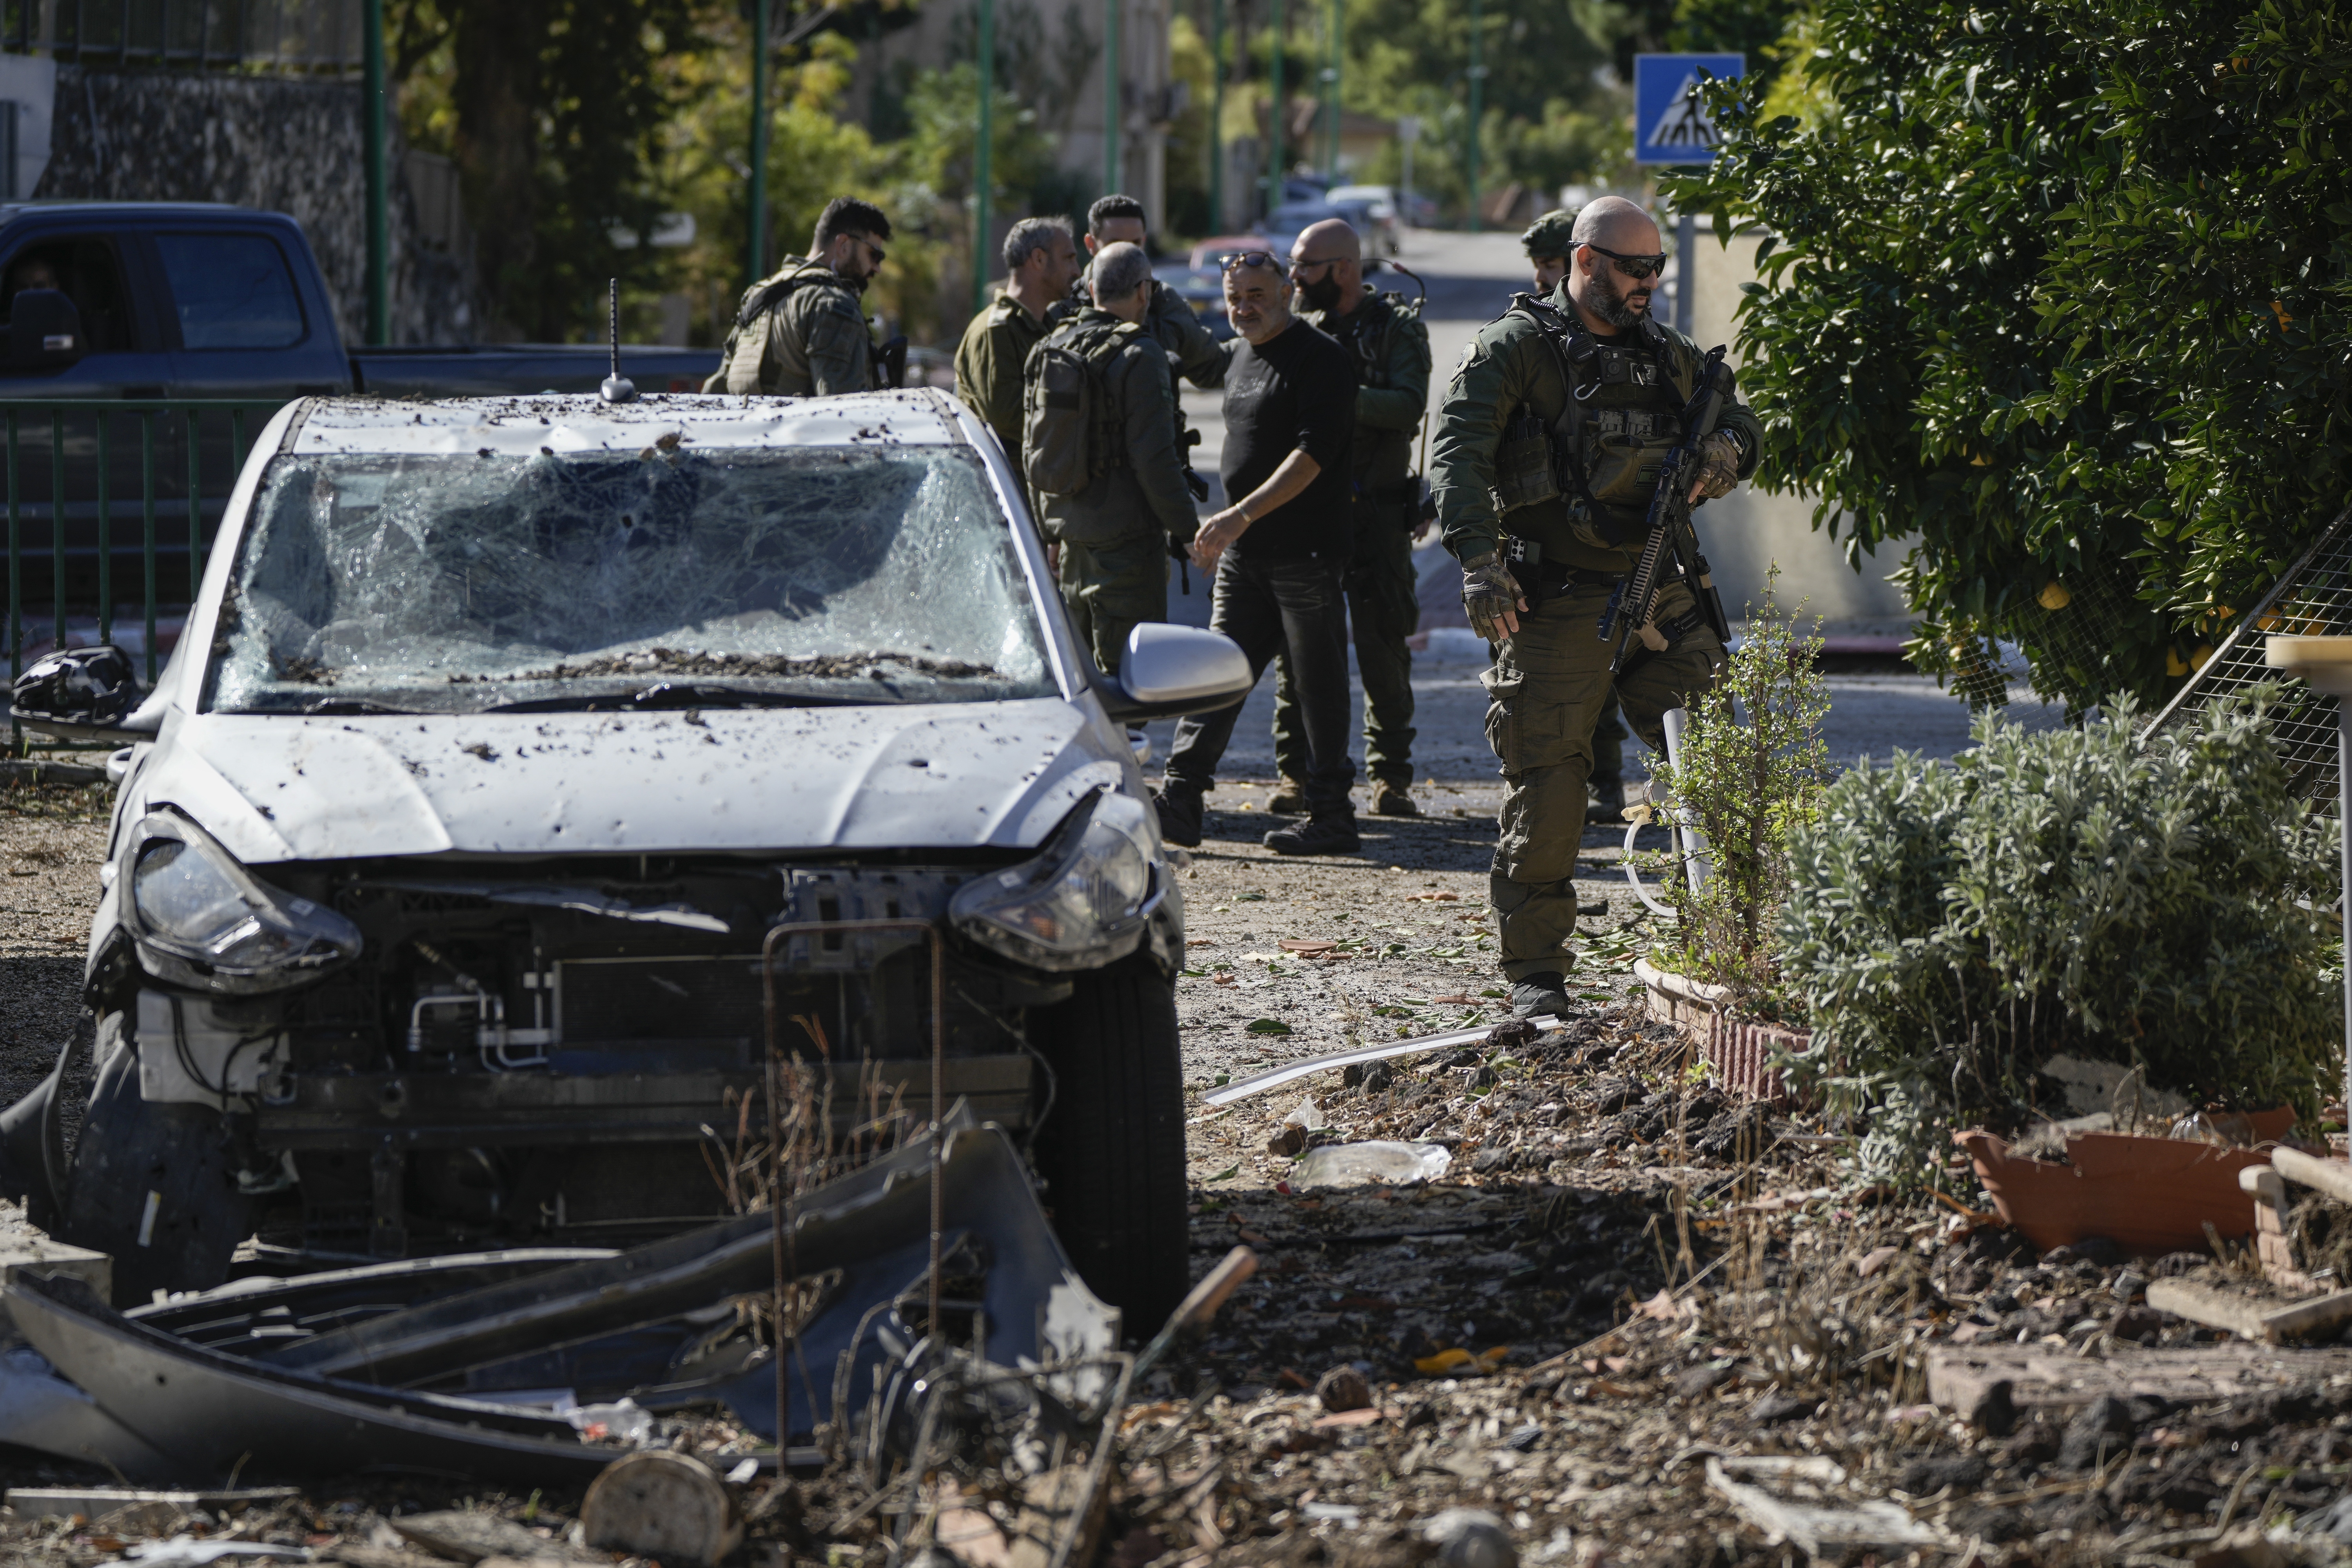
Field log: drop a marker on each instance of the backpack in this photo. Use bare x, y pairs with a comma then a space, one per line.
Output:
759, 300
1068, 427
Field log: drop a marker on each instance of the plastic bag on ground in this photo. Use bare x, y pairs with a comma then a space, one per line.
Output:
1374, 1163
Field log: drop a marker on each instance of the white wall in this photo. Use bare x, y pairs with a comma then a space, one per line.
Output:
1745, 532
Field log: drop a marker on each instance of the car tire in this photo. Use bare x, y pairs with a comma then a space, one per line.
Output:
1111, 1148
130, 1149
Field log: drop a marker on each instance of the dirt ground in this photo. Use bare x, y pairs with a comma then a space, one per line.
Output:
1622, 1281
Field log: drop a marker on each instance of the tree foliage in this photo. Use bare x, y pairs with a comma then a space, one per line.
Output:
2059, 286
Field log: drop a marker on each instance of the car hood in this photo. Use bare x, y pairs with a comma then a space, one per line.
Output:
949, 776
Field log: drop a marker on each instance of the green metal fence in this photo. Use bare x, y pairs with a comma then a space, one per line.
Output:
100, 490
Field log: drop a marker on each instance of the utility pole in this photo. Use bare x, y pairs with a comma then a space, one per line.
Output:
983, 174
757, 248
379, 193
1217, 116
1113, 176
1274, 158
1331, 94
1477, 95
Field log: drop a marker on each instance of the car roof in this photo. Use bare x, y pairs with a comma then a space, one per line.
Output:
522, 426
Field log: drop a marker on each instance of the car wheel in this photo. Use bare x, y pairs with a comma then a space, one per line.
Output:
1112, 1146
130, 1150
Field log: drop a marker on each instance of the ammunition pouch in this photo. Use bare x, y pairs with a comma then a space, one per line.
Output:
1526, 471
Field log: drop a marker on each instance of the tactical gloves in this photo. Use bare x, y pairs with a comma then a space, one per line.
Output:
1489, 592
1719, 467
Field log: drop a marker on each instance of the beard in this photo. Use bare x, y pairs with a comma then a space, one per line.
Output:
1619, 310
1321, 295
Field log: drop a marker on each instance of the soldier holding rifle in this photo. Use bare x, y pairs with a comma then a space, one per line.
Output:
1574, 438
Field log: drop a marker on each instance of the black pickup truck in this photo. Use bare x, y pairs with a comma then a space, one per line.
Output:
190, 301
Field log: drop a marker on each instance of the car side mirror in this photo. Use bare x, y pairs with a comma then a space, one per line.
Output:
1170, 670
79, 694
44, 331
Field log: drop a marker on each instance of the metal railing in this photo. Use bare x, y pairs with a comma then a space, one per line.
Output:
101, 489
292, 35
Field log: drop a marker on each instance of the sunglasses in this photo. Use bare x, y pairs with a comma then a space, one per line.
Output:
881, 255
1241, 259
1634, 267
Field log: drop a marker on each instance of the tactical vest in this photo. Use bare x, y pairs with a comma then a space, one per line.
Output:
748, 373
1381, 461
1601, 457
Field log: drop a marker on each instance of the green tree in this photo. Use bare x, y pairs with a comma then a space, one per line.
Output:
2059, 286
553, 110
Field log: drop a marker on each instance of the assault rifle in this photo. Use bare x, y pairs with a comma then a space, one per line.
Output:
1669, 529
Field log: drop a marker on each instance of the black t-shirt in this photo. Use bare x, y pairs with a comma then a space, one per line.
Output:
1295, 394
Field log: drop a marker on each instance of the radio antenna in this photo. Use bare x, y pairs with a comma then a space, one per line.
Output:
618, 388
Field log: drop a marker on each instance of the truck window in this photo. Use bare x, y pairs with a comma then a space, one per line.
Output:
87, 272
232, 292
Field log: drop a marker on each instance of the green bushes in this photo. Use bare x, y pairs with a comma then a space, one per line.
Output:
1950, 927
1752, 770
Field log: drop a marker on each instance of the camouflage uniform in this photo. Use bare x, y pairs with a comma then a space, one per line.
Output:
1124, 577
988, 365
1114, 532
801, 333
1498, 486
1390, 346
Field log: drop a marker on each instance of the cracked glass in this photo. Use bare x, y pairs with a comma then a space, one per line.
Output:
440, 583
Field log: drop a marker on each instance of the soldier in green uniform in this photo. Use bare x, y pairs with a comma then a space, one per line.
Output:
1041, 257
1382, 333
1113, 512
1192, 354
1547, 450
802, 332
1547, 241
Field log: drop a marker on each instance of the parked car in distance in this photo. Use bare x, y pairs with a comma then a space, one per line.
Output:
1280, 228
1371, 211
453, 850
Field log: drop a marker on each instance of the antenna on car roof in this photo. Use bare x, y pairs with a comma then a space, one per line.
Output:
618, 388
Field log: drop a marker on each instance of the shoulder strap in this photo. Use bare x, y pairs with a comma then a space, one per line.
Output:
1572, 347
764, 297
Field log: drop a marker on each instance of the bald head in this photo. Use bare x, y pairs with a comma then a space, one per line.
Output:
1327, 267
1606, 294
1615, 224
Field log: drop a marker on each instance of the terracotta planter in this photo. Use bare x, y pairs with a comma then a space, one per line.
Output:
2149, 1196
1740, 1050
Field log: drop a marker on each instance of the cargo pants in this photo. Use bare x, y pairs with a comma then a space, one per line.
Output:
1545, 695
1108, 588
1383, 609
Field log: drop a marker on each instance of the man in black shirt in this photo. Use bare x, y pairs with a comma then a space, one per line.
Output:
1279, 551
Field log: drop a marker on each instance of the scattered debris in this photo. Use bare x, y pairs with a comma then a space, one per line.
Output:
660, 1504
1799, 1500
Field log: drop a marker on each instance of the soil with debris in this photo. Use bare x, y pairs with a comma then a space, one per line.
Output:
1625, 1290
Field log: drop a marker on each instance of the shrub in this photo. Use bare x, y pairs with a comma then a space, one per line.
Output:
1753, 766
1952, 926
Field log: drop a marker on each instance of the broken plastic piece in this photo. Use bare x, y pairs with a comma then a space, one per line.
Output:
1364, 1165
1228, 1093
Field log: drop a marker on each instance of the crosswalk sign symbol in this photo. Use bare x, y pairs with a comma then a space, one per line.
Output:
1671, 124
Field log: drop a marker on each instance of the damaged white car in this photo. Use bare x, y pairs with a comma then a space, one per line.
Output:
455, 847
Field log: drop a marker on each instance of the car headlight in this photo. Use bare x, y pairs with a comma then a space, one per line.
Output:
201, 920
1081, 903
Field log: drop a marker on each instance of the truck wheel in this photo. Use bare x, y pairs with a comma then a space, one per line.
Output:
129, 1149
1112, 1146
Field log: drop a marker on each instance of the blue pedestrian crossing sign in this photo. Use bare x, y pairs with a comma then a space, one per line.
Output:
1670, 122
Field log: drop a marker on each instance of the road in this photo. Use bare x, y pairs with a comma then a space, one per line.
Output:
1470, 280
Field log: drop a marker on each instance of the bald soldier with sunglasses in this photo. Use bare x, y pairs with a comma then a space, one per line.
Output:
1544, 501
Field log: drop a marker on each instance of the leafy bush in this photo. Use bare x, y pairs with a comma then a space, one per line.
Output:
1753, 765
1952, 926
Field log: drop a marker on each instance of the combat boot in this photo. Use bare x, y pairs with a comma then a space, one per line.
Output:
1391, 800
1289, 797
1179, 808
1317, 835
1604, 799
1538, 995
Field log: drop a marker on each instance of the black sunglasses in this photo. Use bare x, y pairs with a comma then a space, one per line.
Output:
1634, 267
1241, 259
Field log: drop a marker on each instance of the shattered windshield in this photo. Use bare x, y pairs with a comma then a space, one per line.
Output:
439, 583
